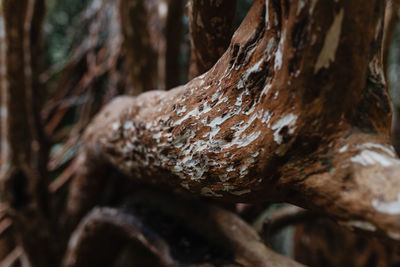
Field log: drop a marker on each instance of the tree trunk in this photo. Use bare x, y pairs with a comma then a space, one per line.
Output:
152, 36
144, 42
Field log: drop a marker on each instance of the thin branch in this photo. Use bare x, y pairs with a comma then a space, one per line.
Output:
12, 258
5, 225
286, 216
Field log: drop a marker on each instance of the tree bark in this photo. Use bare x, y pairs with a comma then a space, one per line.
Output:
273, 119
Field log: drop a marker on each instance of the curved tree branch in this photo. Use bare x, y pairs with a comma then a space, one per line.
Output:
108, 230
286, 216
273, 119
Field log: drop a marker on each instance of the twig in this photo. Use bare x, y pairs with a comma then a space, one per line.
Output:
12, 258
286, 216
5, 225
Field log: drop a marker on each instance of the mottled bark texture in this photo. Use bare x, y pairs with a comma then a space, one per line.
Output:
23, 173
296, 110
152, 34
211, 25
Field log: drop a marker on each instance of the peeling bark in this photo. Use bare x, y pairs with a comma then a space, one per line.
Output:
273, 119
211, 25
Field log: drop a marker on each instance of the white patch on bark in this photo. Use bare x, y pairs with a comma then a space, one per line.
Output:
270, 46
162, 9
389, 150
115, 126
241, 192
331, 43
369, 157
279, 52
247, 140
394, 235
128, 126
313, 4
366, 226
344, 148
289, 121
245, 77
267, 22
300, 6
205, 191
267, 117
392, 207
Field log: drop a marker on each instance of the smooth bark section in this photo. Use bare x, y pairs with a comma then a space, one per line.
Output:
211, 25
